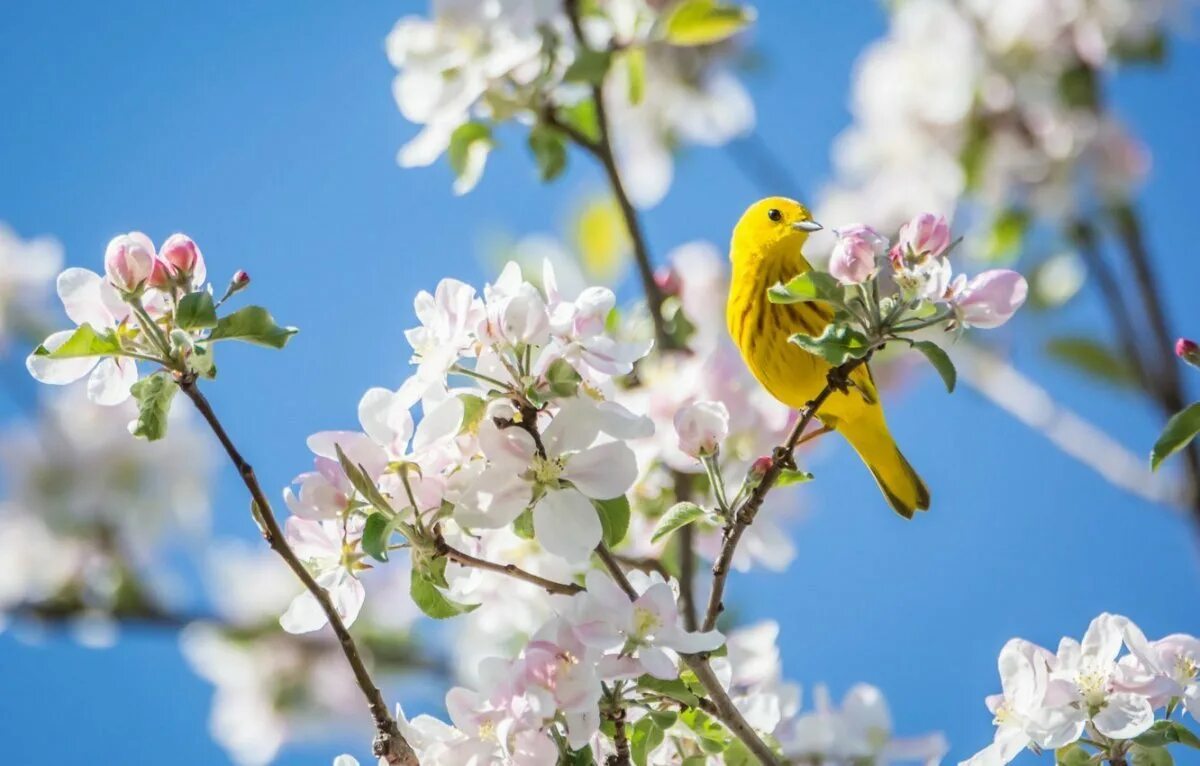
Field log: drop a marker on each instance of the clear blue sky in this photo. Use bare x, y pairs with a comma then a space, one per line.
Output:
268, 132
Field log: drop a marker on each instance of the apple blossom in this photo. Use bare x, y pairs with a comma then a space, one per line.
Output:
925, 236
702, 427
1188, 351
989, 299
183, 259
327, 549
854, 258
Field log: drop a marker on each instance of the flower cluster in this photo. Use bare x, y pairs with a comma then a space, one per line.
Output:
1089, 695
471, 66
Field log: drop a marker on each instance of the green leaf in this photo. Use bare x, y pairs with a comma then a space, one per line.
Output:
703, 22
473, 409
663, 719
459, 151
376, 533
582, 757
679, 515
790, 476
1183, 735
154, 395
582, 116
85, 341
1166, 733
523, 525
635, 68
1147, 49
674, 688
253, 324
810, 286
614, 519
550, 150
837, 345
940, 361
1093, 359
644, 737
710, 735
737, 754
196, 311
432, 601
1140, 755
588, 67
1072, 755
564, 380
1006, 235
363, 484
1180, 430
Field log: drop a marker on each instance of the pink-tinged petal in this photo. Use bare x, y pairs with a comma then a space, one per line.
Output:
1124, 716
991, 298
129, 260
612, 667
493, 500
461, 705
303, 615
573, 428
58, 372
690, 643
509, 448
659, 600
358, 447
79, 290
311, 539
347, 593
602, 472
599, 634
110, 382
581, 726
611, 599
657, 663
567, 525
534, 748
619, 422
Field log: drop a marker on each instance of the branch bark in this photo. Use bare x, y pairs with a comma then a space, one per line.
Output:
444, 548
389, 742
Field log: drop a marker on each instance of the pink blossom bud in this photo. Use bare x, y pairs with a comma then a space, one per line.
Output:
129, 261
182, 255
668, 281
160, 275
1188, 351
855, 254
926, 235
241, 278
701, 428
760, 466
991, 298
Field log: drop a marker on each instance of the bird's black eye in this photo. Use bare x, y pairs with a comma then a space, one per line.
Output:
775, 215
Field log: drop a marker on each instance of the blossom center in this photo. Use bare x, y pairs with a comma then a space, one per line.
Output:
547, 470
1093, 687
1186, 668
645, 622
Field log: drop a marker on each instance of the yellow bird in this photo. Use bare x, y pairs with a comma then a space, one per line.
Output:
766, 250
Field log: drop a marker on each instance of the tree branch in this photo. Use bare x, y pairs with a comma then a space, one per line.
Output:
389, 742
444, 548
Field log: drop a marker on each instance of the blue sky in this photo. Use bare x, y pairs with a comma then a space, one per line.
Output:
267, 131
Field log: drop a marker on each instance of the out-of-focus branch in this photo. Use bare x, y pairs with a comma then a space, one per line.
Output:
389, 742
1018, 395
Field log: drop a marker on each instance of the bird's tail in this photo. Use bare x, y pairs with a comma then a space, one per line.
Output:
899, 482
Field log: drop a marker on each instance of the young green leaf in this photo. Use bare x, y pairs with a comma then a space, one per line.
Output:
678, 516
582, 116
645, 736
473, 409
1094, 359
635, 68
940, 361
589, 67
1181, 429
836, 345
564, 380
459, 151
432, 601
550, 150
614, 519
85, 341
674, 688
810, 286
253, 324
376, 533
363, 484
154, 395
703, 22
196, 311
1072, 755
1140, 755
789, 476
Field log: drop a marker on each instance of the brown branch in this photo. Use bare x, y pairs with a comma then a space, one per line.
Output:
389, 742
620, 739
685, 542
743, 516
444, 548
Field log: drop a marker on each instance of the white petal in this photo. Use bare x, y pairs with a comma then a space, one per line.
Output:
385, 418
1124, 716
1102, 640
441, 422
657, 663
510, 448
58, 372
604, 471
111, 380
303, 615
79, 290
573, 428
567, 525
690, 643
1009, 743
494, 499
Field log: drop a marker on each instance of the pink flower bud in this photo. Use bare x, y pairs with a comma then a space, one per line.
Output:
1188, 351
926, 235
129, 261
701, 428
991, 298
760, 466
855, 254
160, 275
241, 278
668, 281
183, 256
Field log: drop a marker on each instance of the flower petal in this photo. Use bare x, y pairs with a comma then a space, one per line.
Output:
494, 499
111, 380
58, 372
1124, 716
602, 472
567, 525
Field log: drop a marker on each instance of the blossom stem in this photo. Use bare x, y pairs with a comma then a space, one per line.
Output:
602, 149
150, 327
444, 548
389, 742
743, 515
500, 385
718, 483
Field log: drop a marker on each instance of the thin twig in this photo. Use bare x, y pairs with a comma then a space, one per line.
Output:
743, 515
389, 742
685, 542
444, 548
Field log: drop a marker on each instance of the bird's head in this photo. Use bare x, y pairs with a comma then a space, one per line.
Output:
770, 222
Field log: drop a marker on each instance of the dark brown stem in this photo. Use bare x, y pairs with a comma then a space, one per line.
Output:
444, 548
389, 742
620, 739
743, 516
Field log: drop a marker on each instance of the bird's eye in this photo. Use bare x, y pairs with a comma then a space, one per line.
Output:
775, 215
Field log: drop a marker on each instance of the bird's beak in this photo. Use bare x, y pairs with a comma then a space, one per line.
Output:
809, 226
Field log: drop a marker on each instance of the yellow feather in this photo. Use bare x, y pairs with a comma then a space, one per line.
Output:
765, 250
